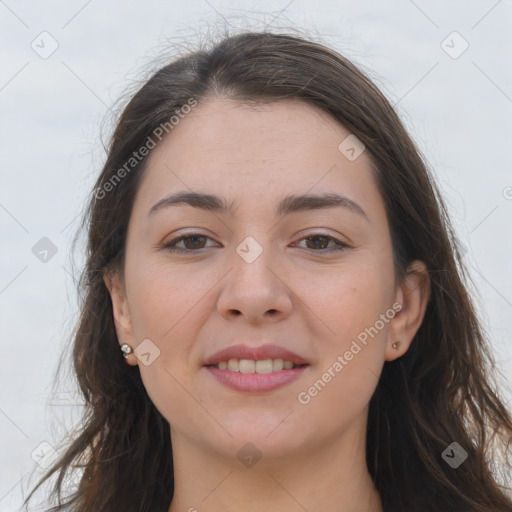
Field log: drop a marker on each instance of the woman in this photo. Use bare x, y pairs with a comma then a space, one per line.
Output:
271, 256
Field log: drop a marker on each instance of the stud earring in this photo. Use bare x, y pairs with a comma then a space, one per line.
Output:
126, 349
396, 345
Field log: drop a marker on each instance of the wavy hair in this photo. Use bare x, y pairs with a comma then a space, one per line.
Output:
441, 391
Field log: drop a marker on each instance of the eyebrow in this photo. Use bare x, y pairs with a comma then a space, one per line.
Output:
290, 204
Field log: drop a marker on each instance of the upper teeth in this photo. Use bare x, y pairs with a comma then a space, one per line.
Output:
252, 366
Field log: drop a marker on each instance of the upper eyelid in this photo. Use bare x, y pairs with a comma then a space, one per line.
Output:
180, 238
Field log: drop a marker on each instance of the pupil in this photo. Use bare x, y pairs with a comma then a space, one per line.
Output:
191, 238
321, 238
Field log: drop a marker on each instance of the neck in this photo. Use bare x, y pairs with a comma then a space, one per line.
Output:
331, 477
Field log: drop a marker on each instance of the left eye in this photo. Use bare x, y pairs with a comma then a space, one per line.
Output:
171, 246
325, 240
196, 241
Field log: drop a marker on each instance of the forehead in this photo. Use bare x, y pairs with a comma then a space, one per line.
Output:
236, 131
263, 151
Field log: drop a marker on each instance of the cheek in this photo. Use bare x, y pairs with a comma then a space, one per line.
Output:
166, 301
349, 298
169, 305
354, 303
352, 354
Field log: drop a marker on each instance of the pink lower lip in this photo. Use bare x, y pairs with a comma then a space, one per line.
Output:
255, 382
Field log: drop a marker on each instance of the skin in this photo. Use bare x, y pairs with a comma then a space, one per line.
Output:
314, 303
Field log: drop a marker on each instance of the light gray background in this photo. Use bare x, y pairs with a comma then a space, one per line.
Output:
457, 109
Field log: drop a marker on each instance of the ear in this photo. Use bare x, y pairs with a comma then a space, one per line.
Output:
413, 294
121, 313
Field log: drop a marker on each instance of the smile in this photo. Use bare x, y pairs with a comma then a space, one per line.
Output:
256, 376
256, 366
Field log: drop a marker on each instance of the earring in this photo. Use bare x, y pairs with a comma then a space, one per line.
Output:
396, 345
126, 349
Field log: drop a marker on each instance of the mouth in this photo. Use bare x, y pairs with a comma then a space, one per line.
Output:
252, 366
255, 375
255, 368
251, 359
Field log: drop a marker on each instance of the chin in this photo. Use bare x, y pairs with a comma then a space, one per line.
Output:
270, 435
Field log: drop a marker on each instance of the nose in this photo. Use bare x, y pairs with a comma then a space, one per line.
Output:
255, 289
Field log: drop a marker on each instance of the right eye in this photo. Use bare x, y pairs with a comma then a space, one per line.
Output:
192, 243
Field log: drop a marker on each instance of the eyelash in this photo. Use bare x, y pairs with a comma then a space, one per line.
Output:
171, 246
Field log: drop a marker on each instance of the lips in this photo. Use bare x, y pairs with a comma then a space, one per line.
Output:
254, 382
275, 367
267, 351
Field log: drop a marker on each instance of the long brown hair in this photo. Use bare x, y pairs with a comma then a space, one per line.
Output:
440, 392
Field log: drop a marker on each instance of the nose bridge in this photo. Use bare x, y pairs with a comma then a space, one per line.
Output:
252, 261
254, 286
249, 249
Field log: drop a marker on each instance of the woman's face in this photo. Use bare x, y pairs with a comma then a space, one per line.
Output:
266, 270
